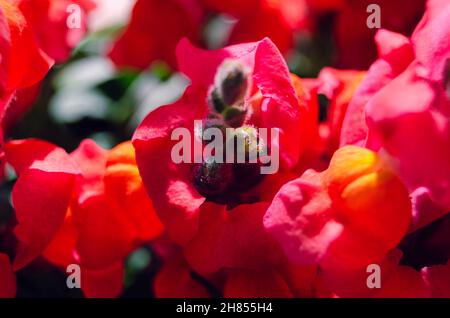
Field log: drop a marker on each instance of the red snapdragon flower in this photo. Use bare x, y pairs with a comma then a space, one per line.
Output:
405, 97
350, 215
33, 36
20, 51
142, 43
23, 65
347, 218
154, 31
397, 281
176, 279
278, 20
353, 39
339, 87
87, 208
224, 229
49, 20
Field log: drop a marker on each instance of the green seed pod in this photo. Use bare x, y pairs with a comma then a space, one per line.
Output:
232, 82
234, 116
215, 102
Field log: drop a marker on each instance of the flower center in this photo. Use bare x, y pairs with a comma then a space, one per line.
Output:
224, 182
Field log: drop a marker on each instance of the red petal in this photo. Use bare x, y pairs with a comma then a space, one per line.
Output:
404, 283
406, 110
104, 283
261, 283
340, 87
143, 43
174, 280
190, 57
395, 55
302, 280
175, 199
234, 238
40, 196
284, 214
48, 20
261, 23
396, 281
38, 155
91, 159
7, 278
347, 222
431, 38
61, 249
18, 104
355, 14
437, 278
106, 235
28, 64
277, 20
425, 210
124, 187
280, 105
5, 48
233, 7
